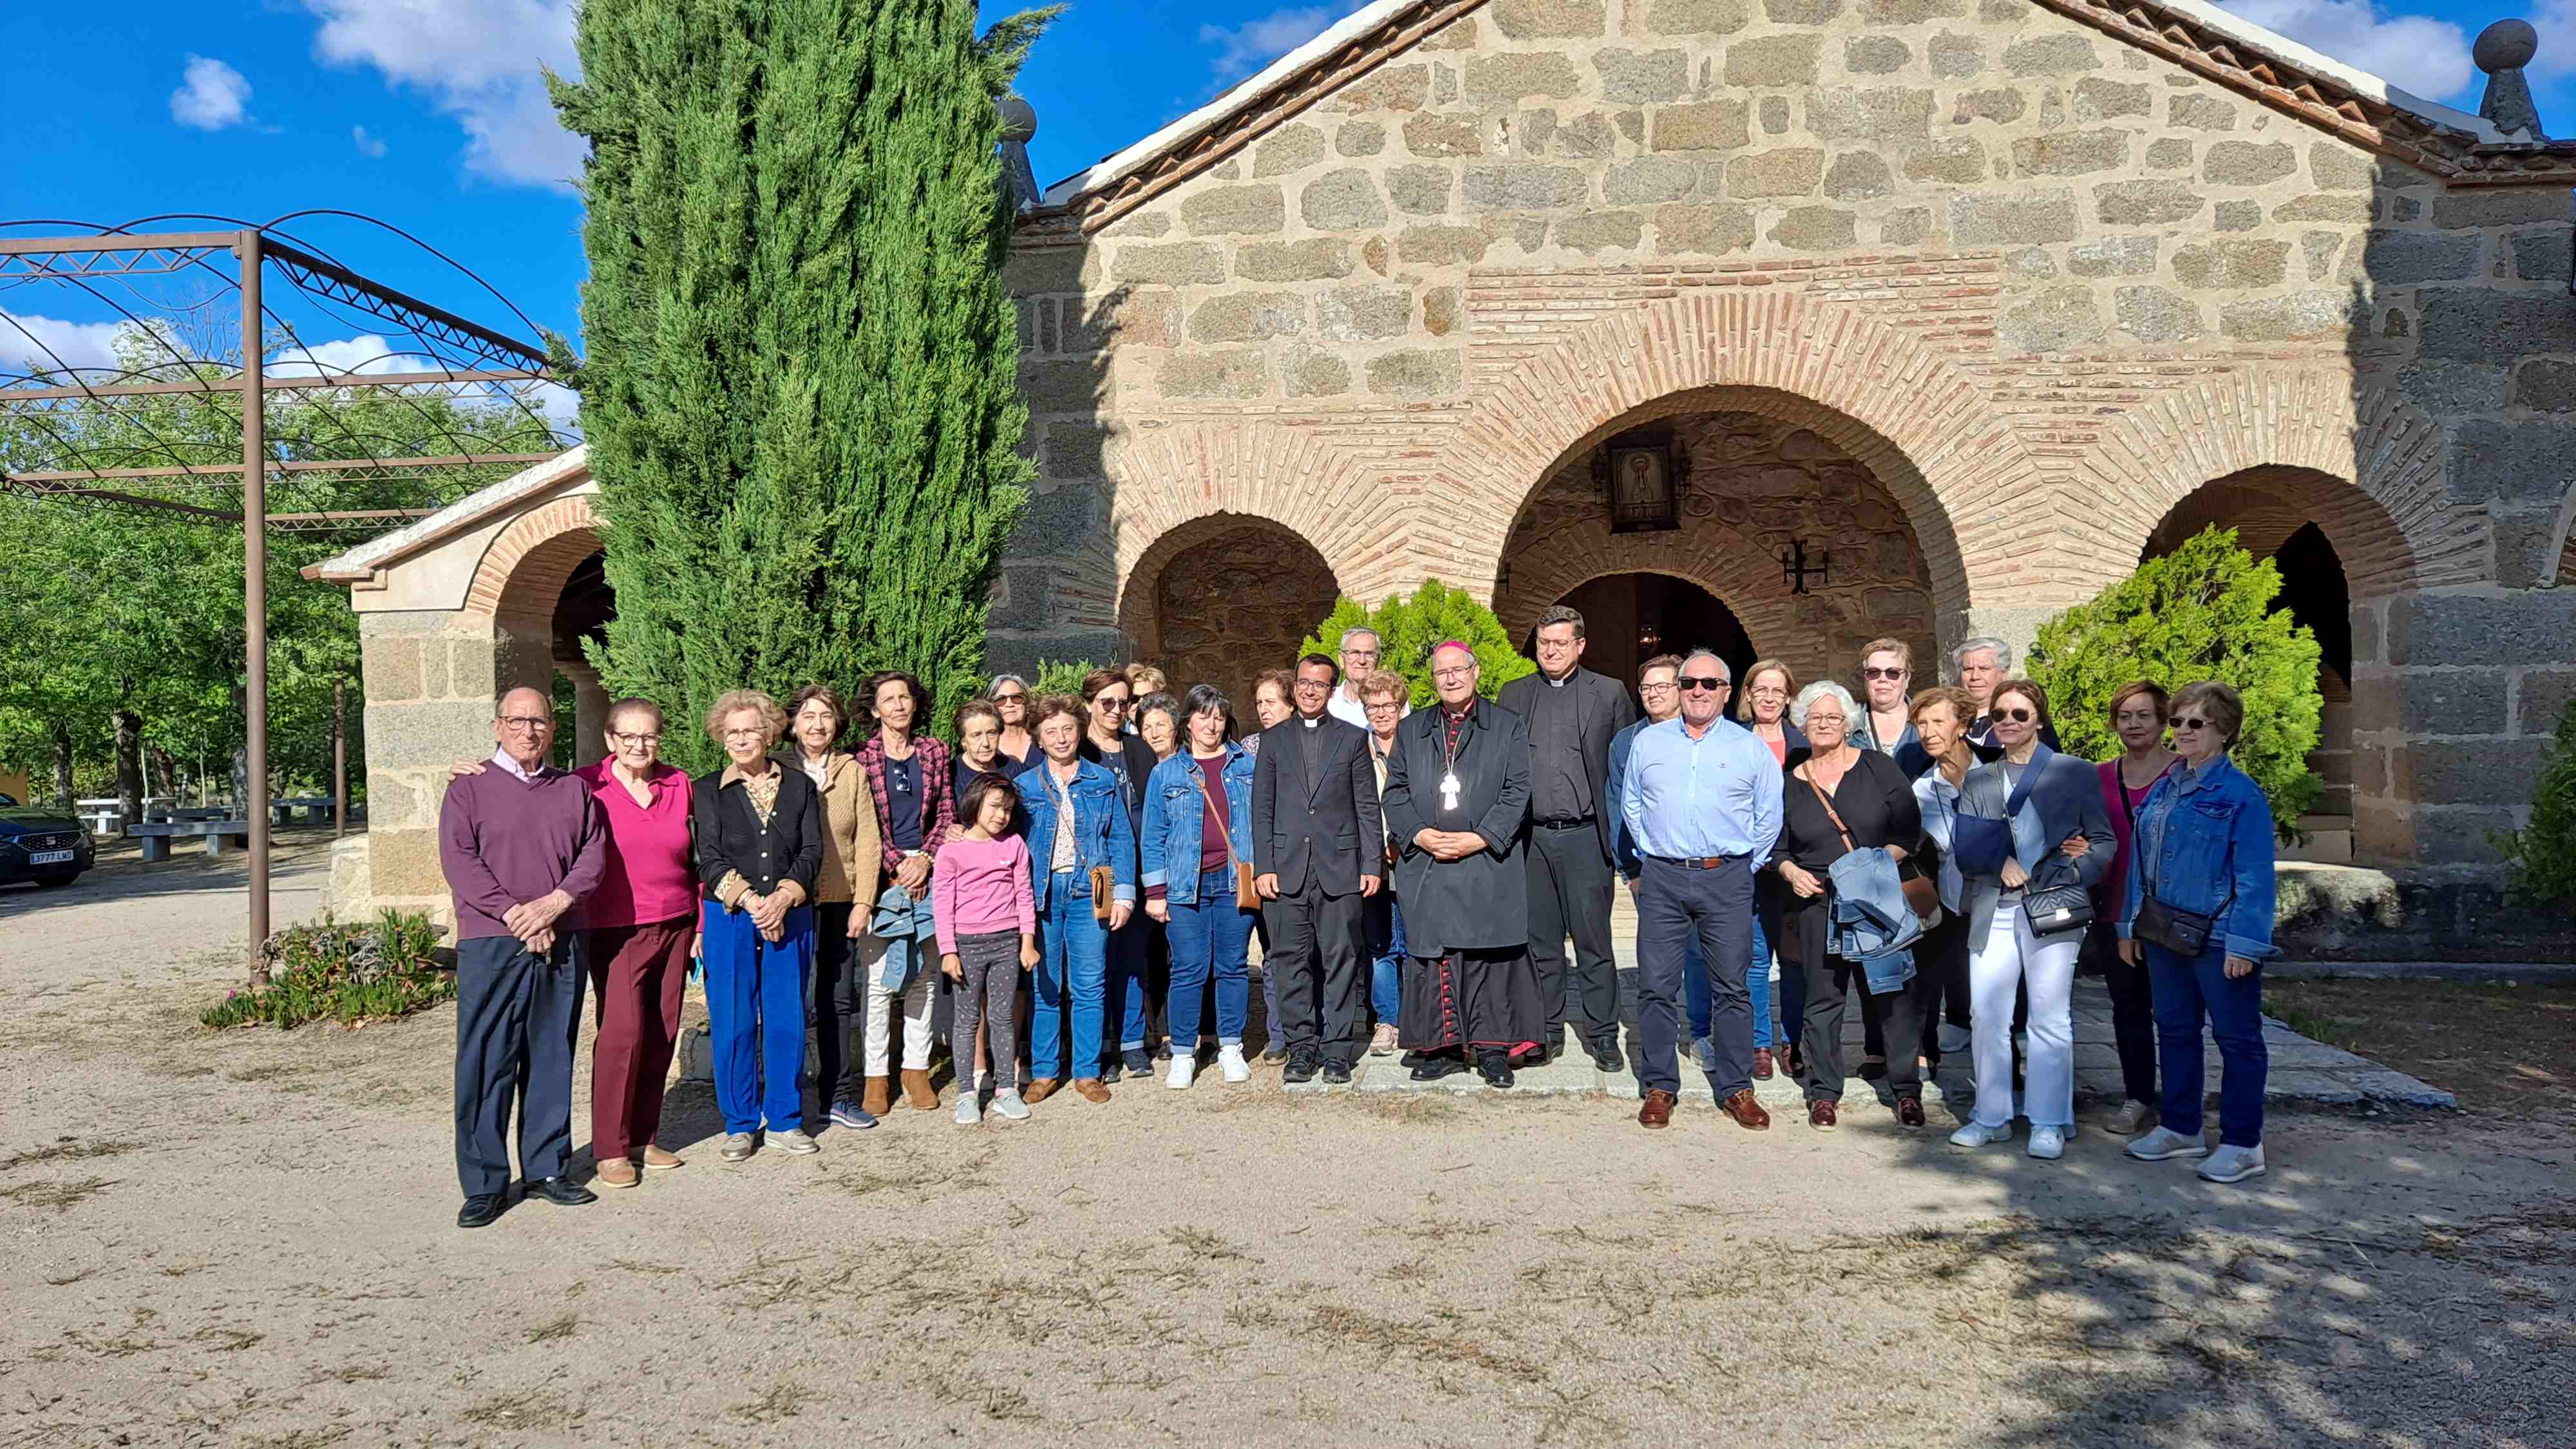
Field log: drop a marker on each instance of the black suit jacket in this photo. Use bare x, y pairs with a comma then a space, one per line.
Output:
1315, 816
1603, 709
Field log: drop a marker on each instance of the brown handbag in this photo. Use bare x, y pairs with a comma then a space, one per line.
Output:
1247, 897
1921, 897
1104, 884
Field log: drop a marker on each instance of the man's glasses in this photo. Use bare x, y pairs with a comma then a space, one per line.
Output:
1455, 671
2182, 722
1882, 673
527, 722
1702, 683
2017, 716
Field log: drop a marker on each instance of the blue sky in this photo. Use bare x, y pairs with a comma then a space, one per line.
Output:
429, 114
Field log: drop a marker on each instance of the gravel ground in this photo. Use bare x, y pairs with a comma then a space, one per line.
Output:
247, 1238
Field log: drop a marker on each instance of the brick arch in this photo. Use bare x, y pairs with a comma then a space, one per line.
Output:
1909, 414
2366, 469
523, 571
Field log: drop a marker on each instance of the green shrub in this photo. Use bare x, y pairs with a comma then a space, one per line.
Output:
1410, 627
2541, 857
1061, 677
344, 973
2203, 611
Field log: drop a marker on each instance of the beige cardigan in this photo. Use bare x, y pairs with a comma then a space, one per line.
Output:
852, 856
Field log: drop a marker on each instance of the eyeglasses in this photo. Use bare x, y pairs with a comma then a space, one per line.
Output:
1454, 671
1660, 687
1110, 702
2017, 716
1881, 672
1011, 698
1702, 683
2182, 722
635, 741
527, 722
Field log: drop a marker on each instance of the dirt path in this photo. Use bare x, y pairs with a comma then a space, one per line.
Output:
247, 1238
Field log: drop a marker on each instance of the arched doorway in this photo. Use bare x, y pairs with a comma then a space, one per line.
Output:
1234, 602
581, 701
1630, 618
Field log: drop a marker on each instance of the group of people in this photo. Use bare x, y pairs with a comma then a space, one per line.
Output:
1435, 881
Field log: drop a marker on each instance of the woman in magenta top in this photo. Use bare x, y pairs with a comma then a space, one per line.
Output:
643, 920
987, 923
2138, 718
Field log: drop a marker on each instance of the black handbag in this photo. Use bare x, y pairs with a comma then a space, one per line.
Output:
2054, 909
2185, 933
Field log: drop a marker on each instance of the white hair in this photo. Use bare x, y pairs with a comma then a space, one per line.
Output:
1001, 679
1998, 648
1354, 632
1821, 689
1725, 670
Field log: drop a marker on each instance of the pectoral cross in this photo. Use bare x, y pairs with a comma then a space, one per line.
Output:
1449, 791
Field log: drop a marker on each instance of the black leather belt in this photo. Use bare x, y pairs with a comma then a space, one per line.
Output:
1586, 823
1697, 862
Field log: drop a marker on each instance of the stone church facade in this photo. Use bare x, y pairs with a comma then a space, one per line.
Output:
1970, 304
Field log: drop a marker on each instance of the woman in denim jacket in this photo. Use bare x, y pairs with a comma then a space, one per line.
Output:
2204, 845
1077, 822
1198, 808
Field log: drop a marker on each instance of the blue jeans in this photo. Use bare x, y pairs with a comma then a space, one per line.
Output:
1385, 923
1125, 980
756, 1016
2185, 987
1072, 961
1211, 936
1757, 985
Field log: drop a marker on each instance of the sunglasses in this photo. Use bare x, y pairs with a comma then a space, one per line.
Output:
1702, 682
1110, 702
2183, 722
1882, 674
2017, 716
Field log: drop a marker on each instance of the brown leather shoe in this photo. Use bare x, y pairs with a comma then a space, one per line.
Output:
1821, 1115
617, 1172
660, 1160
877, 1098
1039, 1090
1761, 1064
1657, 1109
1909, 1111
917, 1092
1090, 1089
1748, 1113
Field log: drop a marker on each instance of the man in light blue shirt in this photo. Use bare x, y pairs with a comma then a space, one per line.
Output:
1701, 799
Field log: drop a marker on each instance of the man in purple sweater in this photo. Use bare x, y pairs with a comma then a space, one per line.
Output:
520, 843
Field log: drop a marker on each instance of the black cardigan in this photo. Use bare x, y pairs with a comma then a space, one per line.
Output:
731, 837
1874, 799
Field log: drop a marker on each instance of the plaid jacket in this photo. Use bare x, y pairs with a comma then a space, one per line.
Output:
938, 808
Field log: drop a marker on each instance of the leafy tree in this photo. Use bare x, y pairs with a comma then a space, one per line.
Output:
2203, 611
1410, 627
2540, 858
801, 391
1057, 676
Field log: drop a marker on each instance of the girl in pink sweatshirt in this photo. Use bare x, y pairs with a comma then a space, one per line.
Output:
988, 933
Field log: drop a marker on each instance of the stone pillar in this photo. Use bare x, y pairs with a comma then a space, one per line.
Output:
2455, 727
589, 714
430, 679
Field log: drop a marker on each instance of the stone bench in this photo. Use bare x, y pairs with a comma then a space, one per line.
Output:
316, 808
156, 836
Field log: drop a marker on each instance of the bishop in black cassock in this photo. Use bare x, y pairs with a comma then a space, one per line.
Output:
1457, 809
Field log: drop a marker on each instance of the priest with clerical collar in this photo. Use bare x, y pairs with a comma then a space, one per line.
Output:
1457, 806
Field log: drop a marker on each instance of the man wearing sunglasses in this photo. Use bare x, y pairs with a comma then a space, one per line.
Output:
1702, 798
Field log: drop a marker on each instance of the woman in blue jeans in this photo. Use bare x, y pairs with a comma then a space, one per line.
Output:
1198, 805
1078, 825
2201, 875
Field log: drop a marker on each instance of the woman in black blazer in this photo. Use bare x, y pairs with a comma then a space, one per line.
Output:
759, 828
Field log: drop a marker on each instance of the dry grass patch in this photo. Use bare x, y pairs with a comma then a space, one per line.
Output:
65, 1149
62, 1197
997, 1402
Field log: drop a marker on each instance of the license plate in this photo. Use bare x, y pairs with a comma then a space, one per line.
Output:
50, 857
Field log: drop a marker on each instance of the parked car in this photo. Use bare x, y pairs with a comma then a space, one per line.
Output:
40, 846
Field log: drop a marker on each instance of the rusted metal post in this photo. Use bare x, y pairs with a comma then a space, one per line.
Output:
339, 758
254, 428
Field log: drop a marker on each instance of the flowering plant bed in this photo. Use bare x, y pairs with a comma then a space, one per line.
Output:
349, 973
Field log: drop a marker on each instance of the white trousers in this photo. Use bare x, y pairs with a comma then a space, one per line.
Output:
917, 1001
2009, 955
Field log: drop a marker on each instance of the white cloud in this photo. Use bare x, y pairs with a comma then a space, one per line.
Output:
212, 96
371, 147
2556, 22
31, 343
1243, 49
367, 353
478, 60
2415, 52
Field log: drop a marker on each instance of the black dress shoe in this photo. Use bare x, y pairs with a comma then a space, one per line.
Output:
1495, 1067
1112, 1072
1337, 1074
1301, 1067
1433, 1069
481, 1209
561, 1191
1608, 1059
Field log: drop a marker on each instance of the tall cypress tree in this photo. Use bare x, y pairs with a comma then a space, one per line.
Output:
799, 392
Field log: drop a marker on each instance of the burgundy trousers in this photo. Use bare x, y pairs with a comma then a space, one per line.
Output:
638, 975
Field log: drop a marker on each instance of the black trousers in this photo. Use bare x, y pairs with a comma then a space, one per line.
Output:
1315, 950
1940, 971
518, 1017
1830, 981
1569, 892
1676, 905
836, 1004
2133, 1011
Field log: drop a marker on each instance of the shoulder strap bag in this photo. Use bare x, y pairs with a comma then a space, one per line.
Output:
2063, 904
1921, 897
2185, 933
1981, 844
1246, 897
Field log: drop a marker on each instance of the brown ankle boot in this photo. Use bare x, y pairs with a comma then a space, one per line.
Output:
916, 1089
878, 1098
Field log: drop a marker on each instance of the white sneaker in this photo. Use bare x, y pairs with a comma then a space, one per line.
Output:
1231, 1065
1704, 1053
968, 1114
1008, 1104
2133, 1118
1972, 1135
2164, 1143
793, 1140
2048, 1142
1954, 1039
2232, 1164
1185, 1069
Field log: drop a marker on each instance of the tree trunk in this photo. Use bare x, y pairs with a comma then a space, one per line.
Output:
129, 766
173, 784
63, 768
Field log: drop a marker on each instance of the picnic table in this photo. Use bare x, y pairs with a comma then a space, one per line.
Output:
157, 834
316, 808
